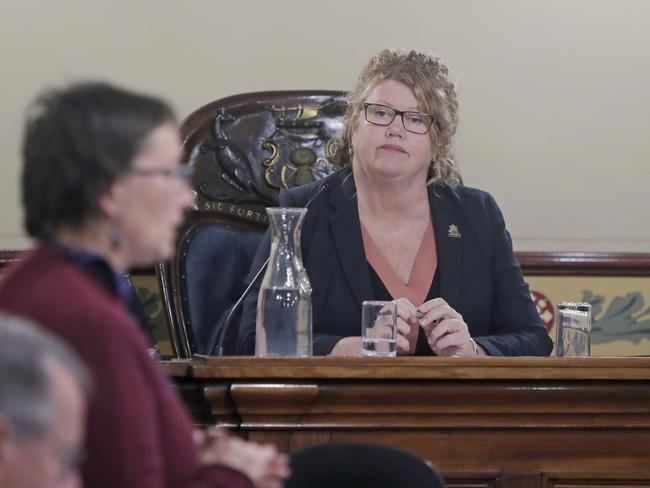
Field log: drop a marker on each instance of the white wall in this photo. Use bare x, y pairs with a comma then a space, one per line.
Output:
555, 93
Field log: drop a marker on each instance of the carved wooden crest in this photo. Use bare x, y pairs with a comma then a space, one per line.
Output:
244, 149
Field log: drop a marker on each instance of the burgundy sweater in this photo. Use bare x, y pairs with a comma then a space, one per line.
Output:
138, 433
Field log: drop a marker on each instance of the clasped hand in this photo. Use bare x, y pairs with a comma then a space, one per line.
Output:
444, 327
263, 464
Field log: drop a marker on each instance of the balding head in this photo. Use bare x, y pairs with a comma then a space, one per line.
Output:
43, 391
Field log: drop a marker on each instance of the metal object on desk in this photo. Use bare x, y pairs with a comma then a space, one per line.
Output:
573, 329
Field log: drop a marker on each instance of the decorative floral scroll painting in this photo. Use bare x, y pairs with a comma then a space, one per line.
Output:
620, 309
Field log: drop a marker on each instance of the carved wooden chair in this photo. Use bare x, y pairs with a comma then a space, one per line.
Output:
243, 149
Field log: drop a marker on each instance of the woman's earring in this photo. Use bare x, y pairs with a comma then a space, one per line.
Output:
116, 238
433, 169
350, 151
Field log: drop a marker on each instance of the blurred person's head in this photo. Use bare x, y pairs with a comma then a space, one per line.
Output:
101, 170
421, 85
43, 396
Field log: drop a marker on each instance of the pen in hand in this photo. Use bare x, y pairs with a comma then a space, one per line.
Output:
419, 314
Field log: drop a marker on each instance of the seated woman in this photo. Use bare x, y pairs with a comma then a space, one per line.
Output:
397, 223
103, 191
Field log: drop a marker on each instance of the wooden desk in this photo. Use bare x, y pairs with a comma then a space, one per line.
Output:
519, 422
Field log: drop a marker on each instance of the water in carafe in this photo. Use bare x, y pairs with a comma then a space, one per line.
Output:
284, 323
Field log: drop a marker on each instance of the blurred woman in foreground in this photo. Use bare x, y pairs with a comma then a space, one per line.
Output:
103, 192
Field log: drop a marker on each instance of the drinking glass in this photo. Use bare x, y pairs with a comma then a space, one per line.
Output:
379, 329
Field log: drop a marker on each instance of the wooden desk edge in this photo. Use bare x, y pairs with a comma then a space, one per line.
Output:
413, 368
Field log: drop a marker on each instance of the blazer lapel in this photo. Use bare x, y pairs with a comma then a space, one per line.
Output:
348, 244
449, 226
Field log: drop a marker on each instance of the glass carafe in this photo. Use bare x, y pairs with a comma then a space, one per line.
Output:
284, 326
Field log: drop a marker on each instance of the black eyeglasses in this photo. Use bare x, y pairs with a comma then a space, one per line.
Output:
412, 121
182, 172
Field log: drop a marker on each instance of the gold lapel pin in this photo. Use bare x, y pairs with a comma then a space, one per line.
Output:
453, 231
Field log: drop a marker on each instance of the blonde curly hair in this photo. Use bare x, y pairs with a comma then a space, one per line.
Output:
428, 78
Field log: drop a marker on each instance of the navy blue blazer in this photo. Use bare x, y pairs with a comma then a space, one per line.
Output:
479, 275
